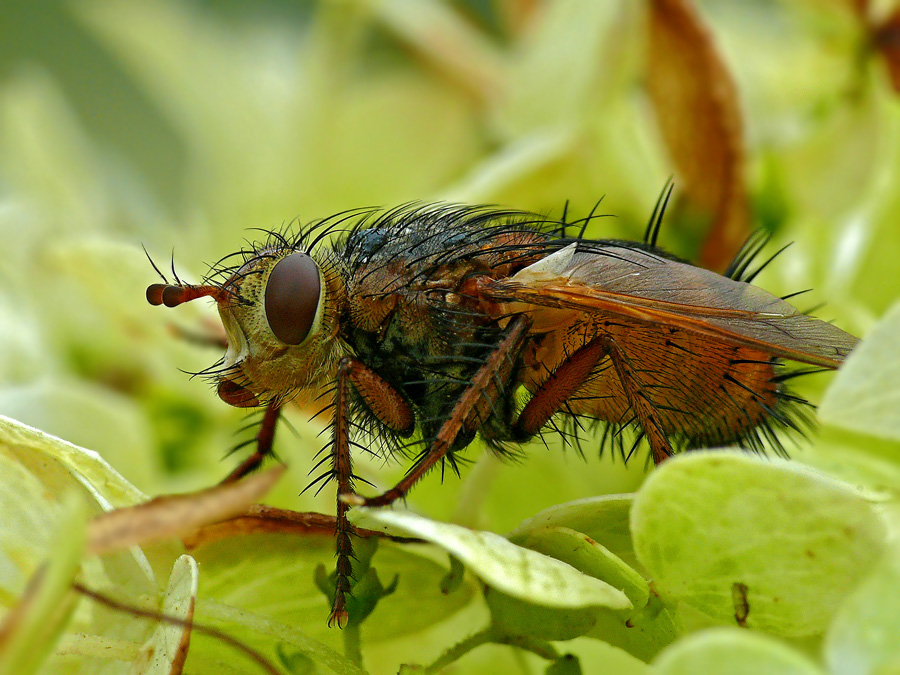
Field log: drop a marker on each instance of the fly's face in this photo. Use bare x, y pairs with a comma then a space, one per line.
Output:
279, 317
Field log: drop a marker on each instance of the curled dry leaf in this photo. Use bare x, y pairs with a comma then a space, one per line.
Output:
261, 518
886, 40
175, 515
700, 120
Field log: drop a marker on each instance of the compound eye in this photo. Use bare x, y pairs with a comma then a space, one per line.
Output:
292, 297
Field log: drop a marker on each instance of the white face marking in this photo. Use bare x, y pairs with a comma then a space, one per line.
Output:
238, 348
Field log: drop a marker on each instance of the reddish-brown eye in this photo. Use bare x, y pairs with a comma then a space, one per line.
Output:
292, 296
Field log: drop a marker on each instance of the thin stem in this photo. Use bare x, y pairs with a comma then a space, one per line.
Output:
542, 648
352, 648
461, 649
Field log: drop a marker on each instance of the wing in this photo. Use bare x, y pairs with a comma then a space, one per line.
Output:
641, 286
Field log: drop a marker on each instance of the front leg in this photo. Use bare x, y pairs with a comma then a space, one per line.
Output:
342, 471
391, 408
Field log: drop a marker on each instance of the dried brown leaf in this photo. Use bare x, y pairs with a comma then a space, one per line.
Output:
260, 518
175, 515
699, 115
886, 39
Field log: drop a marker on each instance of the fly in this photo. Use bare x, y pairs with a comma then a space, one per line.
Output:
431, 325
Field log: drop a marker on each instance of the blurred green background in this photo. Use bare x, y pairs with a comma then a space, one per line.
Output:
179, 125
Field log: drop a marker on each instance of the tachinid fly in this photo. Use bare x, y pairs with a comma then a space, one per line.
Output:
431, 325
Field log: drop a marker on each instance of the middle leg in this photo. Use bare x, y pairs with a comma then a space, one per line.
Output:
464, 415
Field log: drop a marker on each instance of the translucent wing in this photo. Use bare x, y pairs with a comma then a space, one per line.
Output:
641, 286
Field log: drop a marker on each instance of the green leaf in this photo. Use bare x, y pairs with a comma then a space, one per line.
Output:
511, 616
366, 588
589, 557
272, 575
500, 564
296, 662
454, 577
865, 634
564, 665
33, 448
865, 395
518, 617
732, 651
604, 519
642, 634
275, 640
36, 472
167, 648
30, 630
795, 541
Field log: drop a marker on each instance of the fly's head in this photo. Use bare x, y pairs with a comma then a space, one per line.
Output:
278, 309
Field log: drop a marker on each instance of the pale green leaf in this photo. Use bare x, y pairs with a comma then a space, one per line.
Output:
707, 525
29, 632
30, 446
29, 518
589, 557
864, 637
502, 565
604, 519
517, 617
642, 634
167, 648
36, 472
732, 651
273, 576
865, 395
